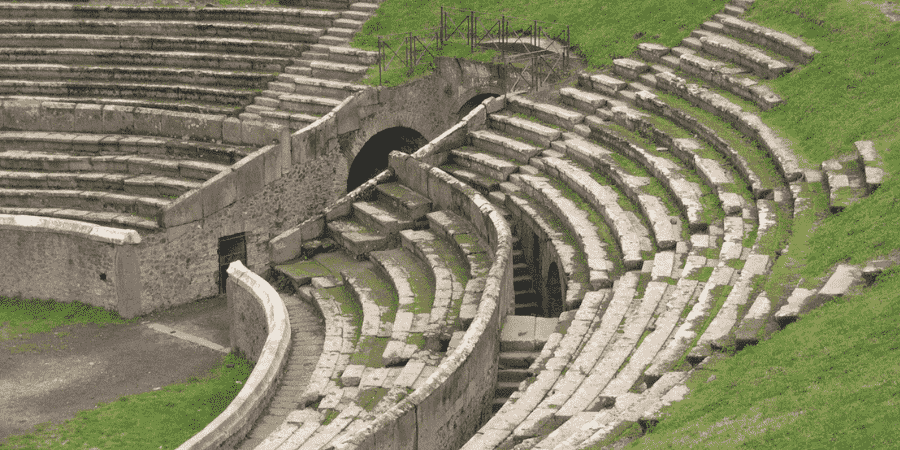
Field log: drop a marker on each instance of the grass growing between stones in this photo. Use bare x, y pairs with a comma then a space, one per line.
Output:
164, 418
786, 390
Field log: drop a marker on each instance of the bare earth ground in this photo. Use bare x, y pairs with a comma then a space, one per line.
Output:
51, 376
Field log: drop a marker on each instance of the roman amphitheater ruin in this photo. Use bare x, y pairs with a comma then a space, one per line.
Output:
528, 272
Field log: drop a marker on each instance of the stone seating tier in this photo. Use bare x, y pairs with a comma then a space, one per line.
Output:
186, 170
168, 92
106, 218
173, 28
145, 58
872, 164
141, 206
117, 144
159, 43
665, 226
161, 75
281, 15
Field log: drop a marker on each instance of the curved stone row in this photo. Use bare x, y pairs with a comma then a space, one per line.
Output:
588, 428
387, 223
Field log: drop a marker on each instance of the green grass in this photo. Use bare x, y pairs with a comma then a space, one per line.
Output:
349, 308
29, 316
158, 419
368, 398
369, 350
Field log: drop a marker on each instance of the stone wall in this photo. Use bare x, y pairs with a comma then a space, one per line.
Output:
68, 260
261, 331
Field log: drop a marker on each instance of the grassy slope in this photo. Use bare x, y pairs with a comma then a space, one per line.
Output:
837, 365
151, 420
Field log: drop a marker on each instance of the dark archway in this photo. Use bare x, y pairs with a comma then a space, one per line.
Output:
553, 293
373, 156
473, 103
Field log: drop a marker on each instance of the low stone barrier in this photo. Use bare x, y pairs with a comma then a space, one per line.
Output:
68, 260
261, 331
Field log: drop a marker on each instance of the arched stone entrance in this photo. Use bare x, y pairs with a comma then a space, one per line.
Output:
373, 156
471, 104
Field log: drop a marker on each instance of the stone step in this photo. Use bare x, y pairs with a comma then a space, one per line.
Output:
128, 74
548, 113
872, 163
381, 218
631, 235
371, 290
337, 71
686, 194
577, 221
105, 218
142, 206
746, 122
514, 375
501, 145
844, 182
586, 102
535, 217
264, 32
344, 55
517, 360
115, 144
483, 163
318, 87
169, 43
483, 183
340, 31
753, 323
196, 171
147, 58
273, 16
449, 289
629, 68
462, 234
145, 185
334, 40
664, 230
291, 119
404, 200
651, 102
178, 92
728, 49
357, 239
359, 16
365, 7
523, 128
307, 104
801, 300
777, 41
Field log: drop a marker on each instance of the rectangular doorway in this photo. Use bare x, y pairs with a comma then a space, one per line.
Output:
231, 248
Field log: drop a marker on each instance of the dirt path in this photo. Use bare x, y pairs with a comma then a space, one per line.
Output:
51, 376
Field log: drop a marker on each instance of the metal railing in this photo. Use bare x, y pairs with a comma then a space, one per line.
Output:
545, 53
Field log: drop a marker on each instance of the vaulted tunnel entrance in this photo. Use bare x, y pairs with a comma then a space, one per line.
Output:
473, 102
373, 156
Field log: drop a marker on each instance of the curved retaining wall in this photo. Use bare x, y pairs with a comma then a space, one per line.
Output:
261, 331
68, 260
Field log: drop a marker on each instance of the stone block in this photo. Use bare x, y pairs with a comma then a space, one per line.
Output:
844, 277
57, 116
188, 208
149, 121
250, 173
346, 117
352, 375
88, 118
231, 131
259, 133
218, 192
20, 114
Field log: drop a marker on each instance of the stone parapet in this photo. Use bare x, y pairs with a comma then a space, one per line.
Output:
261, 331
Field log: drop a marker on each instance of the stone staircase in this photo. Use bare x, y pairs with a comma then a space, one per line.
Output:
322, 77
850, 178
398, 282
521, 341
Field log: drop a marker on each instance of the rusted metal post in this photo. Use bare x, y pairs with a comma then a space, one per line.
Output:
380, 59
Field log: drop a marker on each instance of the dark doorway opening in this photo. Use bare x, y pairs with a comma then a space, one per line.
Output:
473, 103
373, 156
231, 248
553, 290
